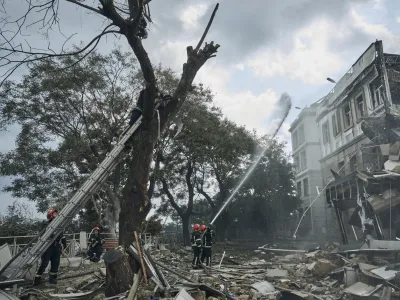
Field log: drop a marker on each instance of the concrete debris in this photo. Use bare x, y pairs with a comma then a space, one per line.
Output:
249, 274
263, 287
362, 289
322, 267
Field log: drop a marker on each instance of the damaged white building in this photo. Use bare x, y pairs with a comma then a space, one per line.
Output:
359, 148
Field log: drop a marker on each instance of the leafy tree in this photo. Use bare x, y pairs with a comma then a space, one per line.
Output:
267, 199
227, 153
70, 119
207, 143
18, 221
153, 225
127, 19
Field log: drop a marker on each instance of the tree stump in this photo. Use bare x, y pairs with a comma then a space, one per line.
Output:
119, 276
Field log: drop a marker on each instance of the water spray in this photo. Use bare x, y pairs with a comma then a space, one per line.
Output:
284, 106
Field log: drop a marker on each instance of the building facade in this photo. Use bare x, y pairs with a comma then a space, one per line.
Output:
347, 154
306, 154
337, 145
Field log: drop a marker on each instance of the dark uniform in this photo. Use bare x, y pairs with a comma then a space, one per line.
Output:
196, 246
96, 247
207, 243
52, 256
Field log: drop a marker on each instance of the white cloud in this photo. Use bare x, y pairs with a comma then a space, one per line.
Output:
309, 60
398, 19
245, 108
191, 14
376, 31
378, 4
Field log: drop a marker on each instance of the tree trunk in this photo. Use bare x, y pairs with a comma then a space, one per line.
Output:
117, 263
135, 203
185, 230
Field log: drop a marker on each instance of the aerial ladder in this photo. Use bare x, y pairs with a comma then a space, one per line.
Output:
20, 265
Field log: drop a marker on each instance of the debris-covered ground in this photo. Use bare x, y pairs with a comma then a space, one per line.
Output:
268, 272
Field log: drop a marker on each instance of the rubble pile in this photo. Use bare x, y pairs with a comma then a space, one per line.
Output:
264, 273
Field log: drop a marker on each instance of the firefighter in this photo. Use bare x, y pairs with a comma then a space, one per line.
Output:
96, 243
207, 244
196, 245
52, 254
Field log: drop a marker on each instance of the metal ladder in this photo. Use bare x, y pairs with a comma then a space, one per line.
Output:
22, 264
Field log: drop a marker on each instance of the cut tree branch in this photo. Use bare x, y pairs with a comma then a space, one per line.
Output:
195, 60
207, 28
86, 6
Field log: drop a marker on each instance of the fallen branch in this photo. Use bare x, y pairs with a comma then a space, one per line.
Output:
174, 272
135, 286
139, 249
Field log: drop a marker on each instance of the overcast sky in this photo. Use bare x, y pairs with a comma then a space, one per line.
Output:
267, 47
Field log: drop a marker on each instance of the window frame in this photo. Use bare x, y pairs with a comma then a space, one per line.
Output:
351, 121
360, 113
327, 139
336, 123
306, 187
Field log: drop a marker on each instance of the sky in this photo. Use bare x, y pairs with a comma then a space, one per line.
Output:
267, 48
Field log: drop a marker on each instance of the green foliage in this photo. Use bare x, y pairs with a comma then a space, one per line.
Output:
70, 117
207, 160
153, 225
18, 221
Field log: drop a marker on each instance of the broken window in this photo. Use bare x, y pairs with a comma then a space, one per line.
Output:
361, 111
301, 134
303, 160
305, 186
325, 133
347, 117
336, 123
299, 189
353, 163
376, 90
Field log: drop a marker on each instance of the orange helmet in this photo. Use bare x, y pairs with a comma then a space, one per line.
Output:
50, 214
96, 228
196, 227
203, 228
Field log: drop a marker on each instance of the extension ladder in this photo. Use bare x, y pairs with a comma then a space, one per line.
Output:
24, 262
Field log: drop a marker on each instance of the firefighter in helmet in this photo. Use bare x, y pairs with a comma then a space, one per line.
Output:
52, 254
195, 239
96, 245
207, 243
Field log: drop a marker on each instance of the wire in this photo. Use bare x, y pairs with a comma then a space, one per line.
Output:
331, 180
